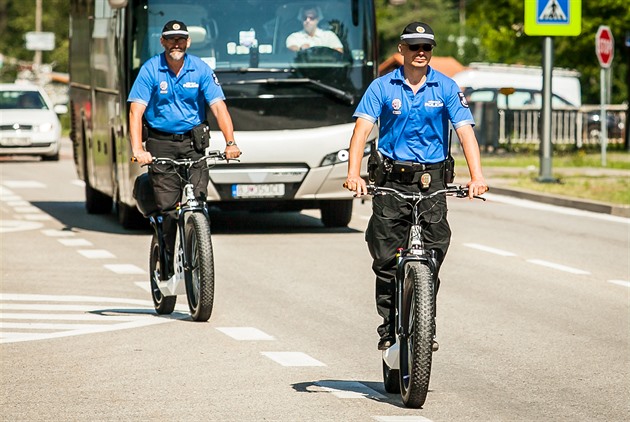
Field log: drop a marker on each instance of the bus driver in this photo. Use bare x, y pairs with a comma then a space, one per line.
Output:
311, 35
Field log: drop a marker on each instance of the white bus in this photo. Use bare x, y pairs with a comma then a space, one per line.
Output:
292, 111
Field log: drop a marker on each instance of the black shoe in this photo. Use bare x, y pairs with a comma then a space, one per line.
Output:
385, 343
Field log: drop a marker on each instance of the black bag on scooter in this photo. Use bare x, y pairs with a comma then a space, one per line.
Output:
144, 195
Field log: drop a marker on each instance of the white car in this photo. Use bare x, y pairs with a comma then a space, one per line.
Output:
29, 124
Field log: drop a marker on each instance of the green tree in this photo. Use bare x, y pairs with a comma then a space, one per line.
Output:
17, 17
499, 25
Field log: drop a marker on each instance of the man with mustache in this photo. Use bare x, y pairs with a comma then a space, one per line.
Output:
169, 99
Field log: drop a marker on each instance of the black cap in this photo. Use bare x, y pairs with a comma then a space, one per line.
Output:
175, 29
418, 33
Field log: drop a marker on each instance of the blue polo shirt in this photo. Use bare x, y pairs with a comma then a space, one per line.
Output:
175, 104
414, 127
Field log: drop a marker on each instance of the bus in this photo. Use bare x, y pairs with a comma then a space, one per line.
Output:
292, 111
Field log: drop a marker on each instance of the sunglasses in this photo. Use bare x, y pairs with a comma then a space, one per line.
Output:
416, 47
309, 18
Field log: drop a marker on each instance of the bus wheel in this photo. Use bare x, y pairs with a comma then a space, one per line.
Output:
336, 213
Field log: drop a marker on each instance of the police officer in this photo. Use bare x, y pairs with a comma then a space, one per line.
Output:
170, 94
414, 104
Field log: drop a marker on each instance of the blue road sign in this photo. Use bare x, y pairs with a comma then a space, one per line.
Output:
553, 12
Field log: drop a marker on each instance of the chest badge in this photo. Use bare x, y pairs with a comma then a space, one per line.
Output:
163, 87
396, 106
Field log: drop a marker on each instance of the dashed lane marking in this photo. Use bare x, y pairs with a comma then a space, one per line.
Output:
75, 242
292, 359
623, 283
245, 333
58, 233
489, 249
125, 269
558, 267
401, 419
96, 253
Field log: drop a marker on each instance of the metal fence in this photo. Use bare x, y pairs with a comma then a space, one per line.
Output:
579, 127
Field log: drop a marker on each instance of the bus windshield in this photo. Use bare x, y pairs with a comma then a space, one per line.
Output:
292, 52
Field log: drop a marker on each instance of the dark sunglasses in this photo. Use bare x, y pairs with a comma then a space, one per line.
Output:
416, 47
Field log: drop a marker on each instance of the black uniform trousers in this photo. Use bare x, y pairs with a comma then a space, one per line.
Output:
388, 230
167, 183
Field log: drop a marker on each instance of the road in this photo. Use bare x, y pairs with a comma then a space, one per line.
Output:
533, 316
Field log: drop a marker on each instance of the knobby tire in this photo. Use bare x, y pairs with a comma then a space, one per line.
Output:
200, 275
417, 316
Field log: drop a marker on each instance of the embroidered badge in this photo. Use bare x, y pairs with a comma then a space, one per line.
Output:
420, 29
216, 80
434, 103
163, 87
462, 99
397, 105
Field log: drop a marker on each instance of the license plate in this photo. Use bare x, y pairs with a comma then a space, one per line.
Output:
269, 190
12, 142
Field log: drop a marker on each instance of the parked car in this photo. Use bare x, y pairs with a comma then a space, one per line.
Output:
29, 122
614, 125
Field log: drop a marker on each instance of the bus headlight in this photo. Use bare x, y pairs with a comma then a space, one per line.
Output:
343, 155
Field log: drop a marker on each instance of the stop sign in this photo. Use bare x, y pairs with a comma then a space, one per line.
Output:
604, 46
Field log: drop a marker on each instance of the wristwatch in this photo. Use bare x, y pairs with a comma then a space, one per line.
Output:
230, 144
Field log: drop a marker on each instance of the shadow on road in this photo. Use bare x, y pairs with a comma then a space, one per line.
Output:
74, 217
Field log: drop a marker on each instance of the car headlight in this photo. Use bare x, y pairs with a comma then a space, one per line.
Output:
46, 127
343, 155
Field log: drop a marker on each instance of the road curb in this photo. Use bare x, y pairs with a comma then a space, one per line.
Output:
593, 206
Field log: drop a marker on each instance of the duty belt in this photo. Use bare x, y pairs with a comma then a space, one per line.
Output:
179, 137
416, 173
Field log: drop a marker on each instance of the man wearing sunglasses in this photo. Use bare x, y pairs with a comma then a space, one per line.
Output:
311, 35
414, 104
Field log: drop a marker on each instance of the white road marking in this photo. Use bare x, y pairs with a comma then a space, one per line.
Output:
96, 253
79, 183
489, 249
58, 233
558, 266
292, 359
65, 317
402, 419
349, 389
524, 203
8, 226
27, 210
245, 333
37, 217
75, 242
623, 283
23, 184
125, 269
93, 315
18, 203
144, 285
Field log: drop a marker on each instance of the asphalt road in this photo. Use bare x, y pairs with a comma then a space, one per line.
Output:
533, 316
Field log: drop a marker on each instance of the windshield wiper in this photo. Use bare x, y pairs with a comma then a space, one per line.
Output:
337, 93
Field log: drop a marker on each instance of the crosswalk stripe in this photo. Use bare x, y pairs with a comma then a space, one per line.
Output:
292, 359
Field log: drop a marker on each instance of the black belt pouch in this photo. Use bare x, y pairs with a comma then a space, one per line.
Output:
201, 136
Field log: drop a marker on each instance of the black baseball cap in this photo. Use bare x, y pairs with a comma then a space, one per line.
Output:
418, 33
175, 29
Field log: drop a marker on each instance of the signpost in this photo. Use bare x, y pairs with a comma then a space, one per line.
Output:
550, 18
605, 51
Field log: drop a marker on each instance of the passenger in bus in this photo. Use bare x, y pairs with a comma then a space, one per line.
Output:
413, 104
311, 35
169, 97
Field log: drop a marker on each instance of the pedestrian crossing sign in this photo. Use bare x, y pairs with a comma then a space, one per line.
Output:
553, 17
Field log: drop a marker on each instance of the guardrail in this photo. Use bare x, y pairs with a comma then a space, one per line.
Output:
506, 128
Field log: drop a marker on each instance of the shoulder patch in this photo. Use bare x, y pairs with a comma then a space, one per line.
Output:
216, 80
462, 99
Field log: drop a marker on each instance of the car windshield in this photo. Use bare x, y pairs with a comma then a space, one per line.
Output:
22, 100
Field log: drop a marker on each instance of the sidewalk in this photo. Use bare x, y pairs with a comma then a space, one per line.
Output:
504, 186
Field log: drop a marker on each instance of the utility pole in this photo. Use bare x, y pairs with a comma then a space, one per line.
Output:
37, 59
